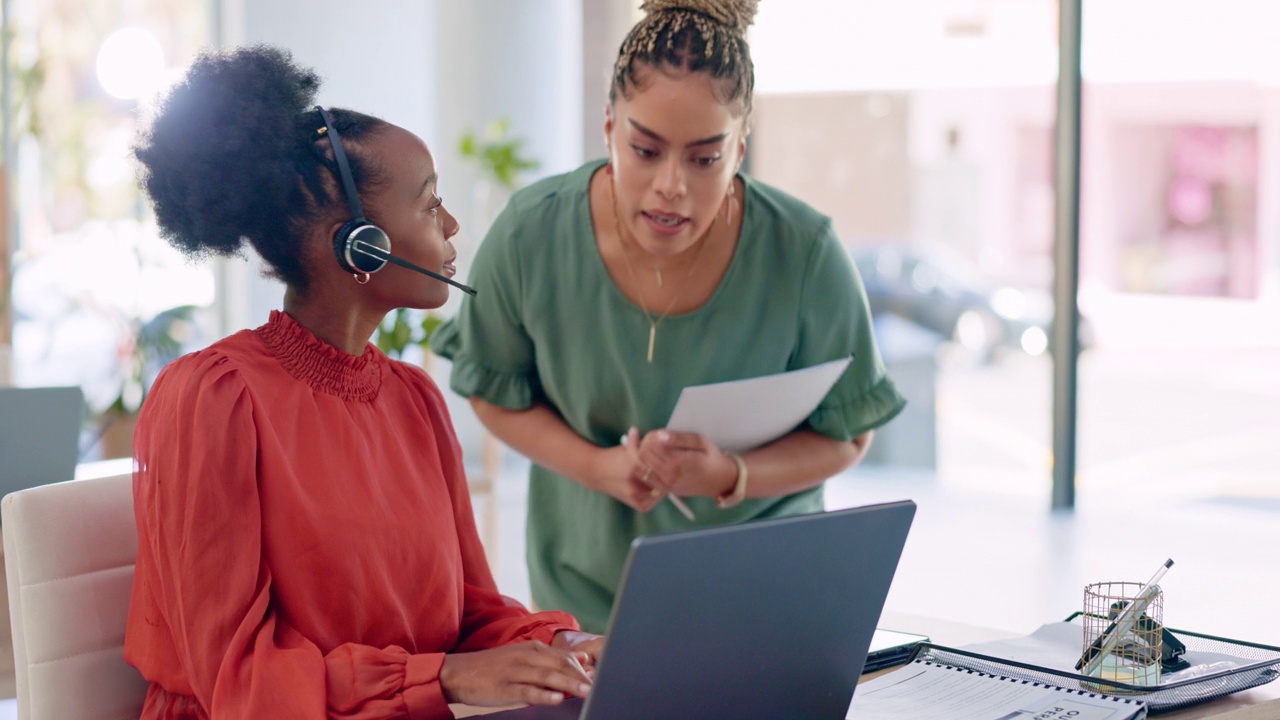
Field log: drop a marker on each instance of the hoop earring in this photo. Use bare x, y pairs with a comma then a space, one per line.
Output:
361, 278
729, 201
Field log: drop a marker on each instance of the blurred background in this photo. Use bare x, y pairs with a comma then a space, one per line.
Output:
927, 135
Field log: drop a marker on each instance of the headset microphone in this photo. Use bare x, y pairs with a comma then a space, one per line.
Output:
368, 250
361, 246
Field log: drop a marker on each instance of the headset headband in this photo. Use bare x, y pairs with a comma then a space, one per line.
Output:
344, 169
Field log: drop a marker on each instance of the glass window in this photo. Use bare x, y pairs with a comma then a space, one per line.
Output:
927, 136
98, 299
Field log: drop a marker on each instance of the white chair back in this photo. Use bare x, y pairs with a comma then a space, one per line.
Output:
69, 553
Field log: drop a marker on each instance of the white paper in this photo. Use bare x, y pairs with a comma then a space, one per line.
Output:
925, 691
891, 640
744, 414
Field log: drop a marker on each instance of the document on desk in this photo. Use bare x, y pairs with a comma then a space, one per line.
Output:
929, 691
744, 414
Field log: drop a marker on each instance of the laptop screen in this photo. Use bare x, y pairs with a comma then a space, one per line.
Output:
771, 618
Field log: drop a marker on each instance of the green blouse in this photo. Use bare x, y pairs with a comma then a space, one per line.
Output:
549, 326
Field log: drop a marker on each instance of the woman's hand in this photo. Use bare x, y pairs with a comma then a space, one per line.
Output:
687, 463
530, 673
581, 642
624, 477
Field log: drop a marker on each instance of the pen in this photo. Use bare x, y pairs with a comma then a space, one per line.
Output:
675, 500
1124, 622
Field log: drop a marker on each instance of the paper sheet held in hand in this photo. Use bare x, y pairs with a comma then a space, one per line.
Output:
744, 414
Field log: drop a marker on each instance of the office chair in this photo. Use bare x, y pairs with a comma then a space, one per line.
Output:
69, 552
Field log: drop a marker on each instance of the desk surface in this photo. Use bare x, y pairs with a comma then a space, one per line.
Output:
1261, 703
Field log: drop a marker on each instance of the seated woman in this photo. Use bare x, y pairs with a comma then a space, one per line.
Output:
306, 542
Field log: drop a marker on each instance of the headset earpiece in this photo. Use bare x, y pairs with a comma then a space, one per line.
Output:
352, 242
360, 246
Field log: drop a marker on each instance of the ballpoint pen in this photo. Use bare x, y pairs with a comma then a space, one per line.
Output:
1124, 622
675, 500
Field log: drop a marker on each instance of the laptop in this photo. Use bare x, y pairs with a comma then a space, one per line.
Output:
39, 435
767, 619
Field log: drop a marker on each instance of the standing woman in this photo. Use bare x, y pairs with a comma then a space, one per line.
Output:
306, 547
612, 287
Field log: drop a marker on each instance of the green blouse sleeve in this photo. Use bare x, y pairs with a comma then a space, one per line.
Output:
492, 354
835, 321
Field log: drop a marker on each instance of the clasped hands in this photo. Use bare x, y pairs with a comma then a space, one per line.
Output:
645, 469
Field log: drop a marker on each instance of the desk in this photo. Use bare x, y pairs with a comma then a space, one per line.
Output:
1262, 703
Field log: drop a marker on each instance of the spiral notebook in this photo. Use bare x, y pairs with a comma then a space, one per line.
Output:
925, 690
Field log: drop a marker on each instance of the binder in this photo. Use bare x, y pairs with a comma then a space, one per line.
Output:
926, 690
1255, 664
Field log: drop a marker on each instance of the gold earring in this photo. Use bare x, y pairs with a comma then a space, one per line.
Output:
361, 278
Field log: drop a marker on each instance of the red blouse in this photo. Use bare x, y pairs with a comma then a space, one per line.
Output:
306, 547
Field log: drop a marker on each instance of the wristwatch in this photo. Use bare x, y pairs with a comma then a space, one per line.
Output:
739, 491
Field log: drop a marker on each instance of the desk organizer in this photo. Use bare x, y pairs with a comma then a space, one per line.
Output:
1261, 666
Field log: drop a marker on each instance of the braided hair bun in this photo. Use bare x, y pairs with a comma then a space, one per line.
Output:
737, 15
696, 36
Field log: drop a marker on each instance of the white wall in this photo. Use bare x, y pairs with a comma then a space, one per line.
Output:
605, 23
520, 59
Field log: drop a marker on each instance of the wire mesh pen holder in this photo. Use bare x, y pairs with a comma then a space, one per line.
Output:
1123, 643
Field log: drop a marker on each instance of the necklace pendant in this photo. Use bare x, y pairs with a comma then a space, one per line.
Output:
653, 329
659, 274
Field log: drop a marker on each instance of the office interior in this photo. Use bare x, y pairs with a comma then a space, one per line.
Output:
928, 136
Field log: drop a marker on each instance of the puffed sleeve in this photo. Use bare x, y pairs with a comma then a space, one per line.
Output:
835, 322
492, 354
203, 594
489, 619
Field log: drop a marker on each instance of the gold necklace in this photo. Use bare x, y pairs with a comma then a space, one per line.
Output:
626, 258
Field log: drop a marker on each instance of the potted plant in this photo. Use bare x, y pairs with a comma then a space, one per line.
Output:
400, 331
501, 162
153, 344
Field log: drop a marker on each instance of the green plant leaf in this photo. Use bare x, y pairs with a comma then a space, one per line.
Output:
499, 157
397, 333
429, 325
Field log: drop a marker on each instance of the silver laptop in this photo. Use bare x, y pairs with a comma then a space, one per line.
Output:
768, 619
39, 435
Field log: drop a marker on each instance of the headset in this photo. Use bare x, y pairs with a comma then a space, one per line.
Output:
361, 246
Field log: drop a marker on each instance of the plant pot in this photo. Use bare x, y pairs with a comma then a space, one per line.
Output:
117, 434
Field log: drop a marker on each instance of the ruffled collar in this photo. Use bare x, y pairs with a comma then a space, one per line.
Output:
319, 364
